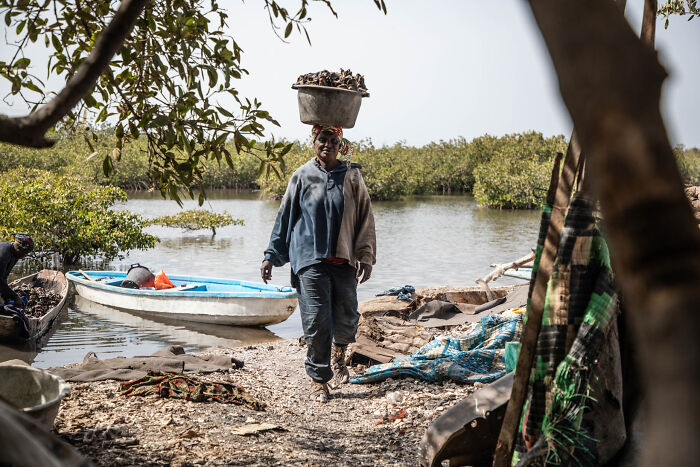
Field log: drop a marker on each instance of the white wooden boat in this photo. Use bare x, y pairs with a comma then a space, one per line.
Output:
47, 279
199, 299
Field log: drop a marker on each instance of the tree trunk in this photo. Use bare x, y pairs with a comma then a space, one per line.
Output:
611, 83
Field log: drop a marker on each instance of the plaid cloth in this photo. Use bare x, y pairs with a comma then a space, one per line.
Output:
544, 227
176, 386
477, 357
580, 304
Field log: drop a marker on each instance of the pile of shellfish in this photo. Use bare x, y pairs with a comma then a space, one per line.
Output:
344, 80
40, 300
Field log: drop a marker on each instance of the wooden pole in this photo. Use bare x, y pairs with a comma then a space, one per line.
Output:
528, 342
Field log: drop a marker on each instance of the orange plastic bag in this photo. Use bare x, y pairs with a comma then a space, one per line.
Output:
162, 282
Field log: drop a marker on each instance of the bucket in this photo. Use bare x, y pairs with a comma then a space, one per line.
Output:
322, 105
138, 276
35, 392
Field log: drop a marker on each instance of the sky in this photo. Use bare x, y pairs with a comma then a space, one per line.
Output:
438, 70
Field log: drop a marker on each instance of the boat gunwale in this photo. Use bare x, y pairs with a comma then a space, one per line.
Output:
275, 292
43, 323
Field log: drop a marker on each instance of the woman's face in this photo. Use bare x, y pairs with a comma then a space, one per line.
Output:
326, 146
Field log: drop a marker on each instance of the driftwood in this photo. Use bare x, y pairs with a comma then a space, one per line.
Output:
611, 83
501, 269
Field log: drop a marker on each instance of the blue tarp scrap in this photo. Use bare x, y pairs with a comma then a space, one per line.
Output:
477, 357
402, 293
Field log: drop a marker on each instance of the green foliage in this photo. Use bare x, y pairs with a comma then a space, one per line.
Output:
511, 182
72, 155
448, 167
65, 214
196, 219
166, 83
688, 164
680, 8
390, 172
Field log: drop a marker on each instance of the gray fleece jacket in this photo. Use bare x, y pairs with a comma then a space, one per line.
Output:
322, 215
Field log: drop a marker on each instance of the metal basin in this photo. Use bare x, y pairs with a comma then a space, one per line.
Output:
33, 391
321, 105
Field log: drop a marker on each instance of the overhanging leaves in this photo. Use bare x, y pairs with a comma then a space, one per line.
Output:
167, 80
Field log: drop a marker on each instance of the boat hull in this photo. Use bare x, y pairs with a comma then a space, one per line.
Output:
266, 307
51, 280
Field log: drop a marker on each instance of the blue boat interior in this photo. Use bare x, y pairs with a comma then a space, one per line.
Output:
190, 284
190, 287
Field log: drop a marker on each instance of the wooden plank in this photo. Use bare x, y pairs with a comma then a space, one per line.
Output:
86, 275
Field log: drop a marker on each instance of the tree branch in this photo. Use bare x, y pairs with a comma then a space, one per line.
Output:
501, 269
649, 22
30, 130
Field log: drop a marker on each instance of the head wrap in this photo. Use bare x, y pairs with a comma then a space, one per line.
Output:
336, 130
24, 242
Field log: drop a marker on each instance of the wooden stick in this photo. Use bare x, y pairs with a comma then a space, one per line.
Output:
86, 275
489, 293
649, 22
502, 268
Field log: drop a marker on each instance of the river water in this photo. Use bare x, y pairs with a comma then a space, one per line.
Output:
423, 241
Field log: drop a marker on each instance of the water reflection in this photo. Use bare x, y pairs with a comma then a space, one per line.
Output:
199, 241
172, 331
27, 351
109, 332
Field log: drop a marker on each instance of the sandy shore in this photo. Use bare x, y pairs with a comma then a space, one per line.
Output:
351, 429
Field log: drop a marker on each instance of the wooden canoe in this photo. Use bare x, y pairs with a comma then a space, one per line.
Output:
47, 279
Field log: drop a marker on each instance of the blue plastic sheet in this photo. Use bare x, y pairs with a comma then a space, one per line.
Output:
402, 293
477, 357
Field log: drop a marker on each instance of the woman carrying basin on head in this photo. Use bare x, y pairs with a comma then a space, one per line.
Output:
325, 229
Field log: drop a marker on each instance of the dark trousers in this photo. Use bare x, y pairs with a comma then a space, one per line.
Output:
328, 305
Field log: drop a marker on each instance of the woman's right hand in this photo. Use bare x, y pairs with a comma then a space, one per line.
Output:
266, 270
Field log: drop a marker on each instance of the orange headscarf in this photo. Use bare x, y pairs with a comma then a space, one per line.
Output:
336, 130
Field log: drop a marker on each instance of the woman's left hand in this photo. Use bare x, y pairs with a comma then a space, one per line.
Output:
364, 272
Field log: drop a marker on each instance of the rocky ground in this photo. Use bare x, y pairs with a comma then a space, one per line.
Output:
376, 424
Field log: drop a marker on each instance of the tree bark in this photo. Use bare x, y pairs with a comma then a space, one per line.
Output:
30, 130
649, 22
611, 83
